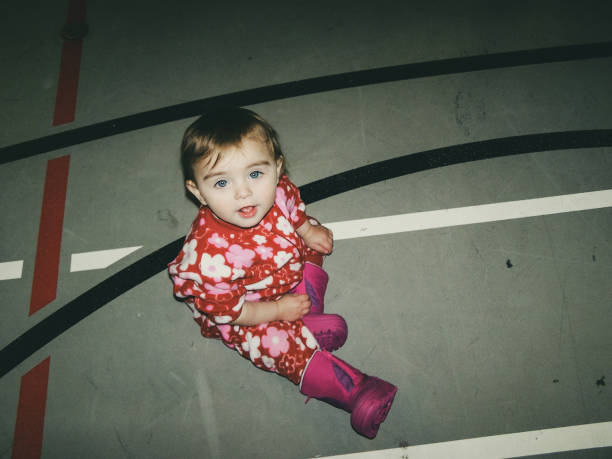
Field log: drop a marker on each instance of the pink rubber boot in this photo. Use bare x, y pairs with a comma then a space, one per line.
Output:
367, 398
314, 283
330, 330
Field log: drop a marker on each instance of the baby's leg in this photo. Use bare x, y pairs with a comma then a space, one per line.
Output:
334, 381
330, 330
314, 283
281, 347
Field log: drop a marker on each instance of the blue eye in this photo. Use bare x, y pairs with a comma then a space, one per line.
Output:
255, 174
221, 184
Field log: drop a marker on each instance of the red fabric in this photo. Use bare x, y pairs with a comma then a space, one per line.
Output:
222, 265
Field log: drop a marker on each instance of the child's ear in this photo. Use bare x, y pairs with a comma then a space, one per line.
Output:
193, 189
280, 163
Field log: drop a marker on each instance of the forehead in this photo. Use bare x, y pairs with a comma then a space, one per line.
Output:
249, 150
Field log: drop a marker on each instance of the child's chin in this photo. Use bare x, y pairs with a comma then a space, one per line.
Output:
248, 223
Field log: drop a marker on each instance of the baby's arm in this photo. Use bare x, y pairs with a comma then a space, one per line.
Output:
290, 307
317, 237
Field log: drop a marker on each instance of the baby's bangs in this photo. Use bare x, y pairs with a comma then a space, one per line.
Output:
211, 159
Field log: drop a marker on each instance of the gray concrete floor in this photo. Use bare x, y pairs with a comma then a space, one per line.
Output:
476, 348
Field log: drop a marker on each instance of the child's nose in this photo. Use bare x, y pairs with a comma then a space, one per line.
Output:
242, 191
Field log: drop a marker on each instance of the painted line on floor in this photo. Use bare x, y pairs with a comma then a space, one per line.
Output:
99, 259
70, 67
157, 261
28, 438
11, 270
304, 87
46, 266
521, 444
452, 155
470, 215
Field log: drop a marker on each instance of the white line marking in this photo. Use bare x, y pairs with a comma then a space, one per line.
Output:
470, 215
522, 444
386, 225
11, 270
99, 259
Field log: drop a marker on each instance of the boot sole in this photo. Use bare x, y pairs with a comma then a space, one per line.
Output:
329, 330
329, 340
372, 405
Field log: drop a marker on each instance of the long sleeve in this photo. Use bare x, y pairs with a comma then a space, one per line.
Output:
289, 201
202, 278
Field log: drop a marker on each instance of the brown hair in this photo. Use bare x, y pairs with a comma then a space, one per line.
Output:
221, 128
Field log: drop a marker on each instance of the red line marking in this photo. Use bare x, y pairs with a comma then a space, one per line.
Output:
27, 442
46, 267
68, 81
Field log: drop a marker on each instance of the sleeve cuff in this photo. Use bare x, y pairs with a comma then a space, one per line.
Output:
231, 314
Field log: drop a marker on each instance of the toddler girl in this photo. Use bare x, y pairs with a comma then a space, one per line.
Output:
250, 268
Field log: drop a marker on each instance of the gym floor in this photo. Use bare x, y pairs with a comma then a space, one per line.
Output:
490, 322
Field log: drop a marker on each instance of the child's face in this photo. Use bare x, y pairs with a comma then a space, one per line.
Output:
239, 189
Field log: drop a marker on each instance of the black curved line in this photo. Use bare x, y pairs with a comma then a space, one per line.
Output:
303, 87
446, 156
124, 280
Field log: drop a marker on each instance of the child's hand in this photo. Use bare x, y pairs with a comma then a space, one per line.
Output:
317, 237
293, 307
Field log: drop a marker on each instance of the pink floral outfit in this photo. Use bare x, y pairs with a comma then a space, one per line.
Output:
221, 266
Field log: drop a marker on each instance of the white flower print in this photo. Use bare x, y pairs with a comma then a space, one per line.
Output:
260, 285
280, 199
253, 296
264, 251
217, 289
291, 204
190, 254
295, 266
281, 258
311, 342
283, 225
282, 242
238, 306
268, 361
259, 239
239, 256
237, 273
191, 276
218, 241
214, 267
251, 345
223, 319
299, 342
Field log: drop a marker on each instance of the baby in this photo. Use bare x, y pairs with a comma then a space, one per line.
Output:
250, 268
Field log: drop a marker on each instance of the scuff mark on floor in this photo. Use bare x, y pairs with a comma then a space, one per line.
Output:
166, 215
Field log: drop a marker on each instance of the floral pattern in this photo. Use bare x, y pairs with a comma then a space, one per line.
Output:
221, 266
275, 341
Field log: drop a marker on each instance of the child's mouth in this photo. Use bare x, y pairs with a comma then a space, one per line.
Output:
248, 211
